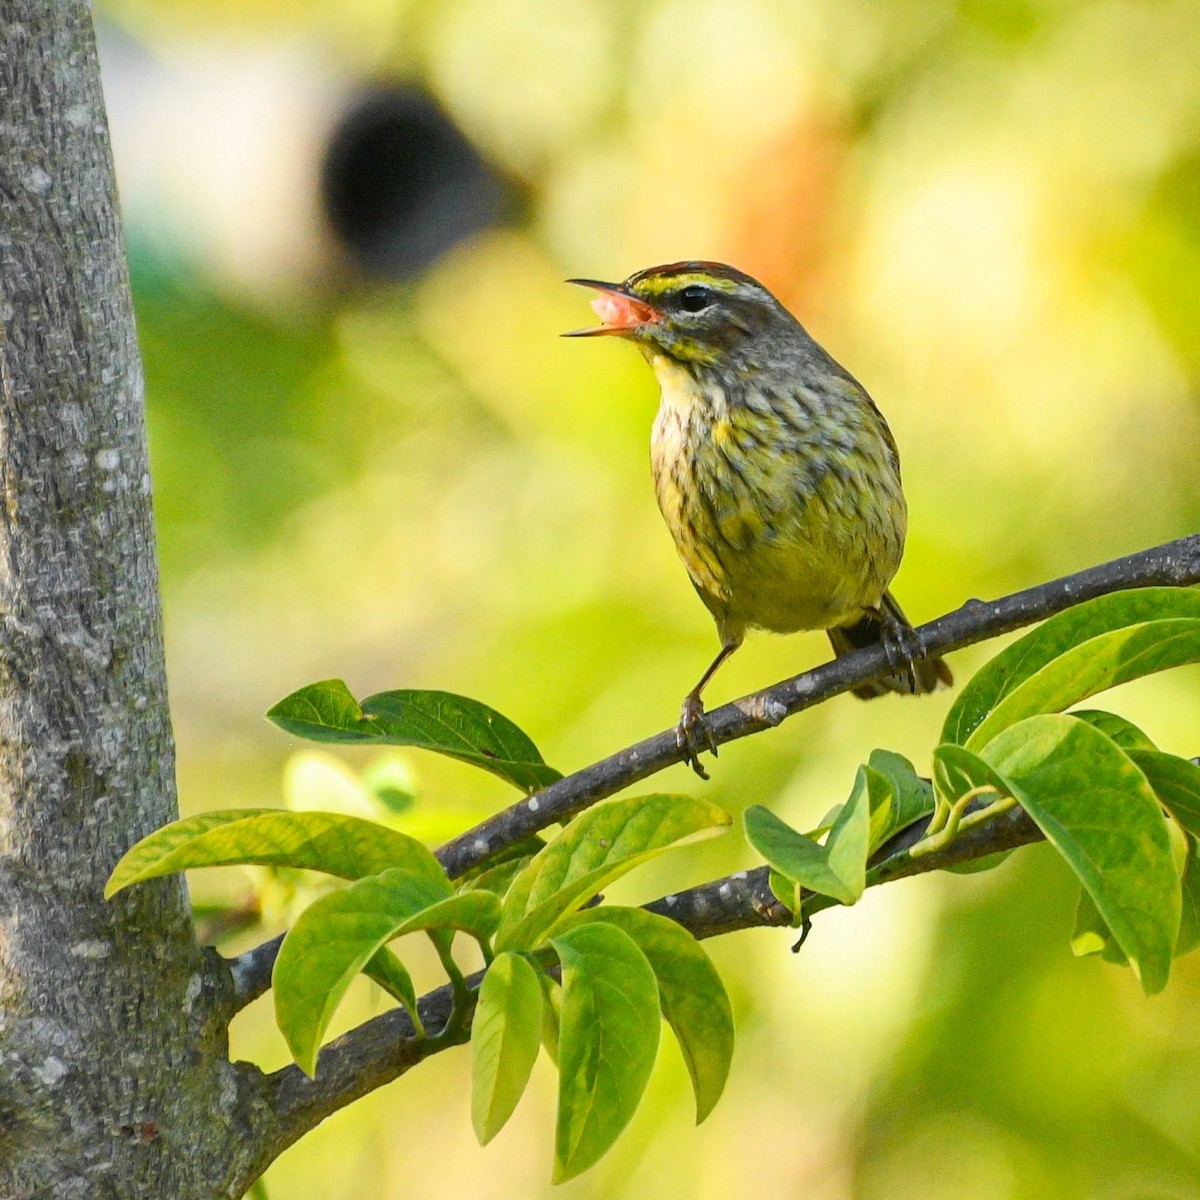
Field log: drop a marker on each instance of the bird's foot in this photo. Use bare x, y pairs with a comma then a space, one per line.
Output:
902, 645
692, 734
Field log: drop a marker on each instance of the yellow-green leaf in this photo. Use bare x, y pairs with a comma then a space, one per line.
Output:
335, 937
692, 997
443, 722
1102, 662
1095, 806
335, 843
911, 798
838, 867
1176, 782
1016, 664
551, 1011
608, 1038
597, 847
505, 1035
385, 969
1125, 733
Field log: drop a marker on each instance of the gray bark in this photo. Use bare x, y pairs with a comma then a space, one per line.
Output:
114, 1080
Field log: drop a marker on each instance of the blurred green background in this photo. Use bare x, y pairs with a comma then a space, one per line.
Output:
990, 212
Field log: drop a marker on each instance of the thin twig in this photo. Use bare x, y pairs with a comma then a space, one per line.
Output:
1174, 563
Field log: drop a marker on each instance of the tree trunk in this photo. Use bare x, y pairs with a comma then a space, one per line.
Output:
114, 1080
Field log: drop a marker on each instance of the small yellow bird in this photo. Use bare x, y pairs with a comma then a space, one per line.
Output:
776, 474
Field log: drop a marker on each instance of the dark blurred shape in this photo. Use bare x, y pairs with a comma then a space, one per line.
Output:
401, 184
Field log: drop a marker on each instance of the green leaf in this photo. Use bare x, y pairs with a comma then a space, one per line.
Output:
792, 855
789, 893
598, 846
912, 796
1097, 809
323, 712
453, 725
1176, 782
1093, 936
335, 937
335, 843
837, 868
551, 1013
1189, 925
957, 771
1101, 663
882, 806
692, 997
385, 969
505, 1035
497, 879
463, 729
1125, 733
1019, 662
608, 1039
848, 843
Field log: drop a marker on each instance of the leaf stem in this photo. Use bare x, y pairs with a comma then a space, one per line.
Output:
941, 813
464, 998
1001, 805
414, 1016
939, 837
485, 948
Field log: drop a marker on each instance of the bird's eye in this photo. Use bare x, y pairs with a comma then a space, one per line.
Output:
695, 299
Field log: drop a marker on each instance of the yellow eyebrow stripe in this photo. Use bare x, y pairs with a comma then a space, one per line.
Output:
655, 285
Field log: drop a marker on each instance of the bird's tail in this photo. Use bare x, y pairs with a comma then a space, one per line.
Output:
927, 674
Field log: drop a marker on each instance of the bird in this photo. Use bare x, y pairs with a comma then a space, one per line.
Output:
775, 472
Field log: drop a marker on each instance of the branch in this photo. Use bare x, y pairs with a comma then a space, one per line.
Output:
744, 900
350, 1067
251, 972
1174, 563
383, 1049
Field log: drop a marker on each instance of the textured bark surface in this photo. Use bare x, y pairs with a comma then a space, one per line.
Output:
113, 1073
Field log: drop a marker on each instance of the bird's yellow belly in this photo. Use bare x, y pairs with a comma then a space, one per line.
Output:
781, 579
772, 539
791, 587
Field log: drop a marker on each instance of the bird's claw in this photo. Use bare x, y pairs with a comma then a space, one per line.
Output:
902, 646
692, 734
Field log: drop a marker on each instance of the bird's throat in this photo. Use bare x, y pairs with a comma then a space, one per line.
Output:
683, 390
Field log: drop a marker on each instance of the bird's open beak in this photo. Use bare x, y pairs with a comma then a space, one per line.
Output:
619, 311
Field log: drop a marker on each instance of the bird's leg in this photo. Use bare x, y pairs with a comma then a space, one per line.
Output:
692, 734
901, 642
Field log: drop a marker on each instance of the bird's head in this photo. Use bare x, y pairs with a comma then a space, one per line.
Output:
693, 312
